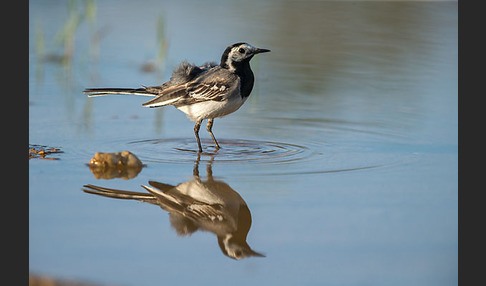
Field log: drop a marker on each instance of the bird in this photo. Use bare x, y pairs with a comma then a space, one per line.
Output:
202, 92
198, 205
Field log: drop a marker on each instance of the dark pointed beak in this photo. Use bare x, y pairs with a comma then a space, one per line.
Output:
259, 51
254, 253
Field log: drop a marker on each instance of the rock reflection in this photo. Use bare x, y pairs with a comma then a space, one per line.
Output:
107, 166
208, 205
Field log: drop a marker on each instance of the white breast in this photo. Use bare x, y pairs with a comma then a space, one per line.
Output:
212, 109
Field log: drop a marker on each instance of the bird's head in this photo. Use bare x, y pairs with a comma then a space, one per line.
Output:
236, 248
239, 53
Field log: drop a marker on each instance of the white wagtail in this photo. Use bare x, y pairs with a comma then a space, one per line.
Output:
202, 92
198, 205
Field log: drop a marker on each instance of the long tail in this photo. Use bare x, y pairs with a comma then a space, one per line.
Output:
120, 194
146, 91
165, 94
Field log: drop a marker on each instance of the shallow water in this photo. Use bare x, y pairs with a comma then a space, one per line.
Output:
345, 153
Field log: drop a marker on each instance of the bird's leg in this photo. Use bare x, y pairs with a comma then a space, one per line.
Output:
195, 170
196, 132
210, 130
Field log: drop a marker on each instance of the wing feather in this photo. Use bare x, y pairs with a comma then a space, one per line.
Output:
187, 205
213, 85
167, 97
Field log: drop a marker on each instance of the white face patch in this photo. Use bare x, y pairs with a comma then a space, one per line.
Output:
236, 56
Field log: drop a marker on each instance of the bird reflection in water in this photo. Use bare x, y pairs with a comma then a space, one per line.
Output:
198, 205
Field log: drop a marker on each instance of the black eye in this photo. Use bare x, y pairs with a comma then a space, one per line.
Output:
241, 50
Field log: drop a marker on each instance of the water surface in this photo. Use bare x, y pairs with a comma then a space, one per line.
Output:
345, 153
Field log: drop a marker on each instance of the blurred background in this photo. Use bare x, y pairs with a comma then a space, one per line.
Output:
345, 152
